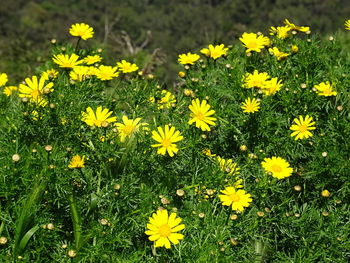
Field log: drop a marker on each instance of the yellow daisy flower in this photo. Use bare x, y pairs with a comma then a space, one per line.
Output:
162, 228
280, 31
188, 58
126, 67
166, 140
253, 42
277, 53
35, 89
255, 80
167, 100
347, 24
278, 167
200, 114
80, 73
237, 199
302, 127
77, 162
8, 91
250, 105
106, 72
99, 119
82, 30
228, 166
3, 79
325, 89
66, 61
294, 27
49, 74
208, 152
128, 127
271, 86
214, 51
89, 60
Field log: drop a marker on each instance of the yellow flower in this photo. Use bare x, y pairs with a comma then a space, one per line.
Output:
250, 105
325, 89
82, 30
100, 119
49, 74
207, 152
294, 27
66, 61
253, 42
106, 72
294, 49
162, 228
127, 67
278, 167
237, 199
255, 80
302, 127
188, 58
281, 31
9, 90
167, 100
214, 51
271, 86
34, 90
347, 24
128, 127
89, 60
80, 73
228, 166
77, 162
166, 140
277, 53
200, 114
3, 79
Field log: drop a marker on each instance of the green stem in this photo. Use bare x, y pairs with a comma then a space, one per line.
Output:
76, 221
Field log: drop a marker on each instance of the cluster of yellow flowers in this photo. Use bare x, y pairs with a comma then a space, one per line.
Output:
212, 51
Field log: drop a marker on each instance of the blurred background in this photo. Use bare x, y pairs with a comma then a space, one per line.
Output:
149, 32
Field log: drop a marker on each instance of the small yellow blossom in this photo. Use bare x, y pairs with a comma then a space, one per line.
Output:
77, 162
106, 72
250, 105
98, 119
126, 67
166, 139
281, 31
277, 53
82, 30
8, 91
188, 58
162, 228
302, 127
92, 59
237, 199
214, 51
201, 114
66, 61
254, 42
325, 89
3, 79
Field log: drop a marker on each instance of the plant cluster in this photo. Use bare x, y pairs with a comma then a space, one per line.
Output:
246, 159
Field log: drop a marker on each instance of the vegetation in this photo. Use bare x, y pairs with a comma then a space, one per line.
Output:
98, 162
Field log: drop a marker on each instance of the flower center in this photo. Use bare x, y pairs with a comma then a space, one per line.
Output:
128, 129
35, 94
276, 168
98, 123
235, 197
252, 45
166, 142
200, 116
164, 230
302, 128
327, 91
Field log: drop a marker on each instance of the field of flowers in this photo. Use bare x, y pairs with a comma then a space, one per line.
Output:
245, 159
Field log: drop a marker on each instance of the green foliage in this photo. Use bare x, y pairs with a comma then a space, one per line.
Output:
101, 210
